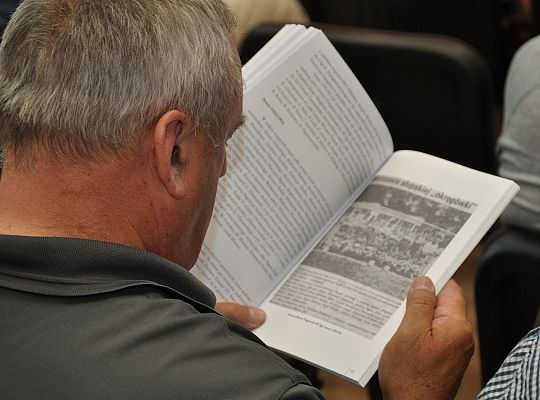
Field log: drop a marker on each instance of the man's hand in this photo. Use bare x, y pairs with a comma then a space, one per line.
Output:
430, 351
249, 317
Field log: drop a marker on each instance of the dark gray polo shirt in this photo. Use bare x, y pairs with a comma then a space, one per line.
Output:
83, 319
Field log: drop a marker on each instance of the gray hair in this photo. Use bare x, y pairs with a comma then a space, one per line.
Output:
86, 78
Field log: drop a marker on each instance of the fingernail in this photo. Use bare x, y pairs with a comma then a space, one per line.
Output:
422, 282
257, 315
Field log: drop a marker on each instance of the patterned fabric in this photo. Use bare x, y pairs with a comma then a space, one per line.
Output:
519, 376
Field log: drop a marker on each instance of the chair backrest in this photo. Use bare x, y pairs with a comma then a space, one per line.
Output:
507, 294
434, 92
7, 7
535, 6
475, 22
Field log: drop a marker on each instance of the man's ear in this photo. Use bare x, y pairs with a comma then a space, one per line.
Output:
172, 135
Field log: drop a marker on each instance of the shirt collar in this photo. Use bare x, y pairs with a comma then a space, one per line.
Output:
79, 267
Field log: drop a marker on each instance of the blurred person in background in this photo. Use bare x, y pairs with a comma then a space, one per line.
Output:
251, 13
518, 152
518, 147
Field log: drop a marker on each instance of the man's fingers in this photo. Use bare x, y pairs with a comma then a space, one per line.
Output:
421, 302
451, 302
249, 317
426, 358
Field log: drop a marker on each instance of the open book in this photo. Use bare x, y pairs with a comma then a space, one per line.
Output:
320, 223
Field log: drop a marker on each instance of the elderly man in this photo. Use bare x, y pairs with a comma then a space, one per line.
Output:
114, 116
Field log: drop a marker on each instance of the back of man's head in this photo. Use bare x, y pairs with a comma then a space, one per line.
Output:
84, 79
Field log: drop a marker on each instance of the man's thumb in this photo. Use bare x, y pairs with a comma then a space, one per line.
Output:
421, 302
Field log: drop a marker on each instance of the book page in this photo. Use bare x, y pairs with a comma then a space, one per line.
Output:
280, 47
312, 141
419, 216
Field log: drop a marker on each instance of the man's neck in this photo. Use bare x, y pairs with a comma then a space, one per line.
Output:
68, 201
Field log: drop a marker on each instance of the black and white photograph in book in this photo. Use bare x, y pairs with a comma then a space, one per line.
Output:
394, 232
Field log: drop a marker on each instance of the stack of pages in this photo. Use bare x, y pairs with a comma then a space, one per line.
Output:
320, 223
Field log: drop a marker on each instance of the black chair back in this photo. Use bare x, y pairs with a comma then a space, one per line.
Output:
507, 294
475, 22
535, 6
7, 7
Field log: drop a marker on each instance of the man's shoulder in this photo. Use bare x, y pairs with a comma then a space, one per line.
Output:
140, 342
193, 352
